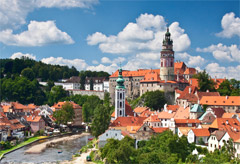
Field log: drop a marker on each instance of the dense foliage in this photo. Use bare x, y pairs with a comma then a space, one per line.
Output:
229, 88
36, 69
164, 148
205, 82
153, 99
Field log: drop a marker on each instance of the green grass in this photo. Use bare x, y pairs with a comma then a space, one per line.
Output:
20, 144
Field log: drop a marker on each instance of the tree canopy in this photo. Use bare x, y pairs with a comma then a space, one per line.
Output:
229, 88
65, 114
205, 82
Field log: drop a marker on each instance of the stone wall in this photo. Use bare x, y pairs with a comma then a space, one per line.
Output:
100, 94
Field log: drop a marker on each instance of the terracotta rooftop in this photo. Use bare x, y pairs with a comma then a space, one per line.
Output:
160, 130
225, 124
173, 108
201, 94
139, 72
151, 77
166, 115
219, 134
193, 82
133, 129
201, 132
60, 104
184, 130
188, 94
182, 113
127, 121
140, 109
190, 71
230, 115
146, 113
220, 100
187, 121
152, 118
33, 118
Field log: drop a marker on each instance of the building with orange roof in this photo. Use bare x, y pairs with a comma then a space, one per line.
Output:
139, 110
146, 113
183, 131
36, 123
182, 113
196, 135
193, 82
187, 122
211, 114
77, 121
229, 103
153, 121
231, 115
144, 132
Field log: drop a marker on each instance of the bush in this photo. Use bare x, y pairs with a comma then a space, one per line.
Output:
5, 145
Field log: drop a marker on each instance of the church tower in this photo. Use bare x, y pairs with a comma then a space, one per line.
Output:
120, 96
167, 58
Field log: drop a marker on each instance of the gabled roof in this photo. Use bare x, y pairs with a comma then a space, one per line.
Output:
127, 121
184, 130
166, 115
188, 94
220, 100
182, 113
151, 77
218, 112
201, 94
146, 113
140, 109
196, 108
219, 134
201, 132
60, 104
33, 118
190, 71
225, 123
152, 118
193, 82
133, 129
173, 108
160, 130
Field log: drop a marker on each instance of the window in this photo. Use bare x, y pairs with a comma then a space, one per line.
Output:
115, 134
211, 145
120, 95
145, 129
120, 113
106, 134
120, 104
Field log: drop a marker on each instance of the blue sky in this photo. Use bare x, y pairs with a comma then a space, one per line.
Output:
98, 35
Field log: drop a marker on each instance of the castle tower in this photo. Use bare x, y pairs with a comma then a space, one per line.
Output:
167, 58
120, 96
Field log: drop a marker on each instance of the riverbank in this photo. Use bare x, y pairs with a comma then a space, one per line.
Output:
29, 141
37, 149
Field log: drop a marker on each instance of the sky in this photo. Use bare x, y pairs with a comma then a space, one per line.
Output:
102, 35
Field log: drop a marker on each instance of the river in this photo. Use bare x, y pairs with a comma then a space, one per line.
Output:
50, 155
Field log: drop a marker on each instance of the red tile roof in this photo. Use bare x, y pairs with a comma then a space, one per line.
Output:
146, 113
151, 77
152, 118
190, 71
173, 108
128, 110
140, 109
225, 124
193, 82
220, 100
139, 72
201, 132
33, 118
182, 113
160, 130
127, 121
60, 104
230, 115
166, 115
218, 112
188, 94
201, 94
187, 121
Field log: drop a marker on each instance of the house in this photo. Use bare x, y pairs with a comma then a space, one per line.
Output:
237, 147
187, 97
211, 114
166, 119
217, 140
5, 126
182, 113
227, 124
153, 121
111, 133
187, 122
144, 132
198, 135
229, 103
77, 121
17, 107
98, 83
196, 111
36, 123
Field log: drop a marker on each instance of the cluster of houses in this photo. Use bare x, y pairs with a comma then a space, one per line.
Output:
18, 120
205, 118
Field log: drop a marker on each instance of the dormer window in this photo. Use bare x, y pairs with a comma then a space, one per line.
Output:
214, 101
232, 101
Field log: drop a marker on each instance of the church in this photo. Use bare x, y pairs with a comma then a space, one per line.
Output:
171, 75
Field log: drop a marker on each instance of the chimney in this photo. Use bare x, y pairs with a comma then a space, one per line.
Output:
191, 82
226, 97
134, 114
227, 122
190, 89
207, 90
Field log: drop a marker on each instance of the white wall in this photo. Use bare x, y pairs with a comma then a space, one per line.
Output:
191, 136
111, 133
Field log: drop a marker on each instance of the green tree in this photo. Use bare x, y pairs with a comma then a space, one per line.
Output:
154, 99
28, 73
65, 114
101, 120
225, 88
205, 82
57, 93
89, 106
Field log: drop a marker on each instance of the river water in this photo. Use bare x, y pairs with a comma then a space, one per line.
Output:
50, 155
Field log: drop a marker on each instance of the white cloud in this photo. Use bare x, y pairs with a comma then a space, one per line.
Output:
223, 53
14, 12
110, 69
106, 60
145, 35
20, 55
214, 69
95, 62
38, 34
191, 61
79, 64
230, 25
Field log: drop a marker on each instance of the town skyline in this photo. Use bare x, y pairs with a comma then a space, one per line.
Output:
98, 35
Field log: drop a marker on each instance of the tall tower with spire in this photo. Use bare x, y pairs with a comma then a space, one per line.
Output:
167, 58
120, 96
